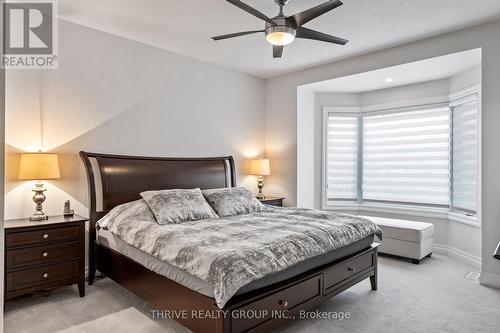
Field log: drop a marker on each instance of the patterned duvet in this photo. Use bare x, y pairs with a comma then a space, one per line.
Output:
229, 253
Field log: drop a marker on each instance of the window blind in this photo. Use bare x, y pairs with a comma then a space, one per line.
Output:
406, 156
342, 157
465, 153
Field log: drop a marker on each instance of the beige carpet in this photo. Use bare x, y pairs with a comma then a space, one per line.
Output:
431, 297
126, 321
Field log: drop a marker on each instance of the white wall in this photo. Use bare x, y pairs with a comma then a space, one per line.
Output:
306, 190
468, 78
114, 95
281, 120
406, 94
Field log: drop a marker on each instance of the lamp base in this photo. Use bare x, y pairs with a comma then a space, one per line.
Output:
39, 218
260, 185
39, 198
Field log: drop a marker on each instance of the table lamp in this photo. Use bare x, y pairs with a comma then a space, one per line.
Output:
260, 167
39, 166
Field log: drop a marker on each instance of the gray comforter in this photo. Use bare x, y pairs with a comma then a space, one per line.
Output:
232, 252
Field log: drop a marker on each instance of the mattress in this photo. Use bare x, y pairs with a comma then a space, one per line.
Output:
109, 240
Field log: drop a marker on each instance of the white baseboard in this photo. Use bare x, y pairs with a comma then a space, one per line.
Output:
458, 254
490, 280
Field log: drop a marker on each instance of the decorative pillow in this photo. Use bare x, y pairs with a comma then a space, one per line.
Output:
131, 211
233, 201
178, 206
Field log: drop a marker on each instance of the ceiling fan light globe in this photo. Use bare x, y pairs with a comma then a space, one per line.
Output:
280, 38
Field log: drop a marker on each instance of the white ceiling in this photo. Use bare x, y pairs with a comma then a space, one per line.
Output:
415, 72
185, 27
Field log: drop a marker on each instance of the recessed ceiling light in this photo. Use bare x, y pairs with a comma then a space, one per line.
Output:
389, 79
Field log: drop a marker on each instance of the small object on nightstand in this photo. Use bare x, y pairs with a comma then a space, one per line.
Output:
497, 252
68, 212
43, 256
272, 201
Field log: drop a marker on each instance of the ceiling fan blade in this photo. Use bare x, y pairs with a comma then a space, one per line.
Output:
316, 35
236, 34
277, 51
251, 10
311, 14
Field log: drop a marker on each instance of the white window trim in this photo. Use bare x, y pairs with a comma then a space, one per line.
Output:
409, 210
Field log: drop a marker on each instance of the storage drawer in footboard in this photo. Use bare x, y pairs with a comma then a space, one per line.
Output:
258, 312
346, 270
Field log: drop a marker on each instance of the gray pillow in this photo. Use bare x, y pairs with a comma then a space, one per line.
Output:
131, 211
233, 201
178, 206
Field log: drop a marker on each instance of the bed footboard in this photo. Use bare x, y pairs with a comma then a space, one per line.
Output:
257, 311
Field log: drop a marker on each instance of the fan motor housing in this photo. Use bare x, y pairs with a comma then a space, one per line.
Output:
282, 25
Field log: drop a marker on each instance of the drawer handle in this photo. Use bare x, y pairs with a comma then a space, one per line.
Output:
45, 275
45, 254
283, 303
350, 269
45, 236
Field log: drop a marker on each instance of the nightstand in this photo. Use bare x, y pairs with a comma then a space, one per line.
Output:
44, 255
272, 201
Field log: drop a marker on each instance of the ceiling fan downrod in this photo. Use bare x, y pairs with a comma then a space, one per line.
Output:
282, 4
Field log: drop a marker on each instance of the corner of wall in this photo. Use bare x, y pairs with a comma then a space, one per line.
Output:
490, 280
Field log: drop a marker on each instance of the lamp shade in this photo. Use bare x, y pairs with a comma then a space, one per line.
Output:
260, 167
39, 166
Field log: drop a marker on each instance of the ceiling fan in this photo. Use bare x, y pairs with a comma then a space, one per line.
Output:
282, 30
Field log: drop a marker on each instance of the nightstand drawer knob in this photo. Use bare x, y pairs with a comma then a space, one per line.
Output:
45, 275
45, 254
45, 236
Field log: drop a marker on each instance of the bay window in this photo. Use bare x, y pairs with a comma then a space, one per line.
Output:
418, 156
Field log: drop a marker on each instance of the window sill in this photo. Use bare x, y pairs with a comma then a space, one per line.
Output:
463, 218
416, 211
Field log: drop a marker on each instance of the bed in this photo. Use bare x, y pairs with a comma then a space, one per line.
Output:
273, 300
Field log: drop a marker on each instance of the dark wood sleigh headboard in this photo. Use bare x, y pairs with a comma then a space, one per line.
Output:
117, 179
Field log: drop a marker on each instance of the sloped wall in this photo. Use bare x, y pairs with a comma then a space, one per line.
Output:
114, 95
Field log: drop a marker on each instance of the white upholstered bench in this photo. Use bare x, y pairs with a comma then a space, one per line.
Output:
404, 238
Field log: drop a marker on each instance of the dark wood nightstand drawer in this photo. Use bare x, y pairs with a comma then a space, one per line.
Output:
347, 269
37, 276
41, 236
44, 255
23, 257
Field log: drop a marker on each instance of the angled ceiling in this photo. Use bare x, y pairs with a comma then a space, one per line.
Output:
185, 27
